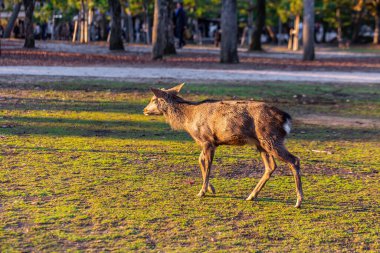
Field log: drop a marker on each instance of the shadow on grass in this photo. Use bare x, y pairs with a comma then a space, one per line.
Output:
155, 130
92, 128
124, 151
90, 85
36, 104
306, 204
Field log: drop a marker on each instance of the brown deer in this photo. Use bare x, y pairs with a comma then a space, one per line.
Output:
213, 123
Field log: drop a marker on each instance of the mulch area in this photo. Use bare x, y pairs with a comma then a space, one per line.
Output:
11, 56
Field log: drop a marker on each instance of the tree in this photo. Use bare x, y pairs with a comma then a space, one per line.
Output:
129, 22
286, 9
12, 20
373, 7
308, 30
338, 15
377, 23
228, 52
169, 30
296, 10
356, 19
29, 32
260, 24
159, 23
116, 39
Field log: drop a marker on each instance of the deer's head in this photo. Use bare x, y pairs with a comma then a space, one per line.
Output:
158, 101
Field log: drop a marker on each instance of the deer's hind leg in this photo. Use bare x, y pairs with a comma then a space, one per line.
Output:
293, 162
270, 167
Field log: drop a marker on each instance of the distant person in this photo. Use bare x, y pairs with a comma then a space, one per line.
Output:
1, 31
180, 22
217, 36
22, 28
37, 32
49, 30
16, 31
43, 31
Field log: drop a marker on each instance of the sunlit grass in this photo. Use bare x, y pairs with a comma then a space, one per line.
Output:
82, 168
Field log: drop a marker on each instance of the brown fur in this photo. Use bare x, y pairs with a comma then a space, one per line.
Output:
214, 123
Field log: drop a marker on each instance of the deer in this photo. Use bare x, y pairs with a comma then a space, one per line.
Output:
212, 123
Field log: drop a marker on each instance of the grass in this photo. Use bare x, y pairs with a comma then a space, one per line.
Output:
369, 49
83, 169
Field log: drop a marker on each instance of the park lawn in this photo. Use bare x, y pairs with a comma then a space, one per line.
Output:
82, 168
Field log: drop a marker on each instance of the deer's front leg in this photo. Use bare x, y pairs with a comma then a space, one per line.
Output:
205, 162
210, 187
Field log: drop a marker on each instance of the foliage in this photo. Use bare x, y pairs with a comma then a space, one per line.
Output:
68, 8
8, 4
210, 9
329, 12
373, 6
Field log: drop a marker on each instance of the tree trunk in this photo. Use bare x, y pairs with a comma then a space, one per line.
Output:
169, 30
12, 20
249, 30
339, 28
377, 25
103, 27
147, 21
260, 23
159, 30
75, 34
308, 30
197, 32
279, 41
296, 43
29, 31
130, 23
116, 39
228, 52
82, 22
356, 24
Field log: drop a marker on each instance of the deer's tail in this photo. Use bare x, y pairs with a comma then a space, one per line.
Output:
287, 125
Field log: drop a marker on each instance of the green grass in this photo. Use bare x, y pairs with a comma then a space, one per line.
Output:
371, 50
82, 169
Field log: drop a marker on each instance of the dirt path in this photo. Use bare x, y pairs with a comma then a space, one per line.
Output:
188, 74
335, 121
277, 52
192, 57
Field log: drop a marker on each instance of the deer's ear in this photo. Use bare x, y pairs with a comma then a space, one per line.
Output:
160, 93
176, 89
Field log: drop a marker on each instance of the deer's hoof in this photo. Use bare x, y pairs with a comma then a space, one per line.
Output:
250, 198
211, 189
298, 204
201, 194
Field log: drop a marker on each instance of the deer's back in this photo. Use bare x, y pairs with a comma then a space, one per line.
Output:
236, 122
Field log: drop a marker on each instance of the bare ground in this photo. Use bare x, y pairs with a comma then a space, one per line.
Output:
97, 54
324, 120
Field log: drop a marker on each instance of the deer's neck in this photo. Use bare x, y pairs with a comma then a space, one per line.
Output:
177, 115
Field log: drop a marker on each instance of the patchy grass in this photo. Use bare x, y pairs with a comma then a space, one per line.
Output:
370, 49
82, 168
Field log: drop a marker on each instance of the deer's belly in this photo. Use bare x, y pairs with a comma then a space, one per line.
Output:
237, 140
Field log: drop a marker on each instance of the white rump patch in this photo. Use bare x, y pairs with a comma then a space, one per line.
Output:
287, 126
